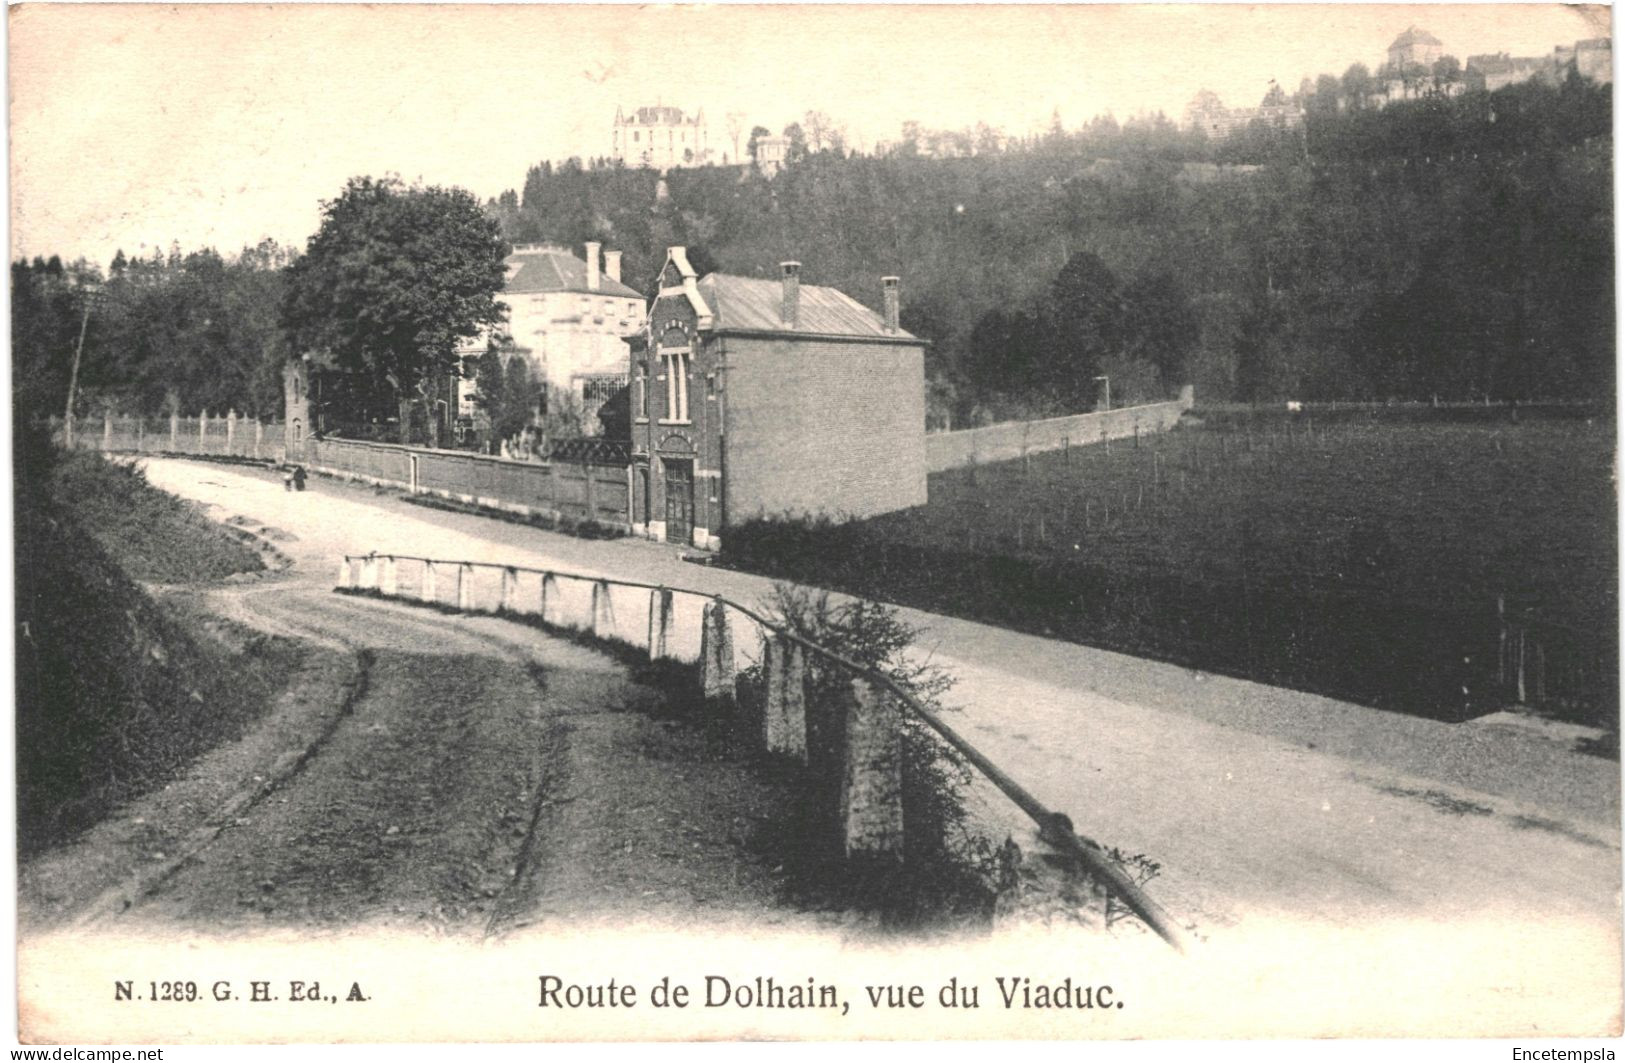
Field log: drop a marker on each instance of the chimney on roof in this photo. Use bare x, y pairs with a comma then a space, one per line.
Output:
888, 289
612, 265
790, 311
593, 247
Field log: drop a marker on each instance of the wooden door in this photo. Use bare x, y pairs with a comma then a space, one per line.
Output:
679, 499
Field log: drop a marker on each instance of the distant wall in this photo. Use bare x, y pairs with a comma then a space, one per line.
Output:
1003, 442
227, 436
596, 492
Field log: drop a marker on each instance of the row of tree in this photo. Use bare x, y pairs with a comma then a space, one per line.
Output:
151, 335
1460, 247
387, 297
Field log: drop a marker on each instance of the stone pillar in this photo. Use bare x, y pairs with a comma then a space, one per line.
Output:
510, 590
465, 588
716, 652
550, 599
203, 432
428, 591
174, 433
344, 573
603, 613
231, 430
871, 813
785, 725
389, 580
369, 573
259, 437
659, 623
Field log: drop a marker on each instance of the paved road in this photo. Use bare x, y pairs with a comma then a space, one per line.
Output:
1269, 810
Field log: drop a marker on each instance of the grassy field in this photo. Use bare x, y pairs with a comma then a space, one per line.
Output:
1361, 555
1428, 512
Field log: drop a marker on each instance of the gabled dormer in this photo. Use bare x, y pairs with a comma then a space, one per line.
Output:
678, 279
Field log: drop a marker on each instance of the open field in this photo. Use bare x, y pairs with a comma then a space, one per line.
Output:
1313, 554
1421, 511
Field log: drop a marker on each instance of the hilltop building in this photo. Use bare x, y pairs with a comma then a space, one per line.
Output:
567, 317
660, 137
770, 397
771, 153
1592, 59
1208, 113
1414, 48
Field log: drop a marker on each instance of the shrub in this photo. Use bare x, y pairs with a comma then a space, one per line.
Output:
949, 873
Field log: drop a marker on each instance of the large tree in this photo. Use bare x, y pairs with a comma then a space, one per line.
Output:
394, 281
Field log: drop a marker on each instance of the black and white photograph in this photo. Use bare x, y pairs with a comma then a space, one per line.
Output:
690, 523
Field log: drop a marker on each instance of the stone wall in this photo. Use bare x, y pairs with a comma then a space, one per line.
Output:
1004, 442
585, 491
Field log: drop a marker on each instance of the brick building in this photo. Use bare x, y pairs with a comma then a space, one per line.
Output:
760, 397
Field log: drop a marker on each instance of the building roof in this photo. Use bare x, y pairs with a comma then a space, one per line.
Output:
1414, 36
746, 304
659, 116
553, 269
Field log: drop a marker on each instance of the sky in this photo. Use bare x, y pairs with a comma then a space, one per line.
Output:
134, 126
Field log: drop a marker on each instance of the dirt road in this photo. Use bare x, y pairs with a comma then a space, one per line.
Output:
1267, 809
479, 776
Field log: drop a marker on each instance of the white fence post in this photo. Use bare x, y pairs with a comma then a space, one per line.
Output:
550, 599
510, 590
389, 583
465, 587
659, 622
344, 573
428, 592
603, 611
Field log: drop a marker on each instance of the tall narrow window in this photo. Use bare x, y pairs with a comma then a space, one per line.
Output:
640, 393
676, 366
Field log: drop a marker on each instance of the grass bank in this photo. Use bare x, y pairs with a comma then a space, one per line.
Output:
115, 691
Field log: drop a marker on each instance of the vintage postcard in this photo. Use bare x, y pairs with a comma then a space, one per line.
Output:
559, 523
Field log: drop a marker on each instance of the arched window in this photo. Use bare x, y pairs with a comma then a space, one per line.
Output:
298, 387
